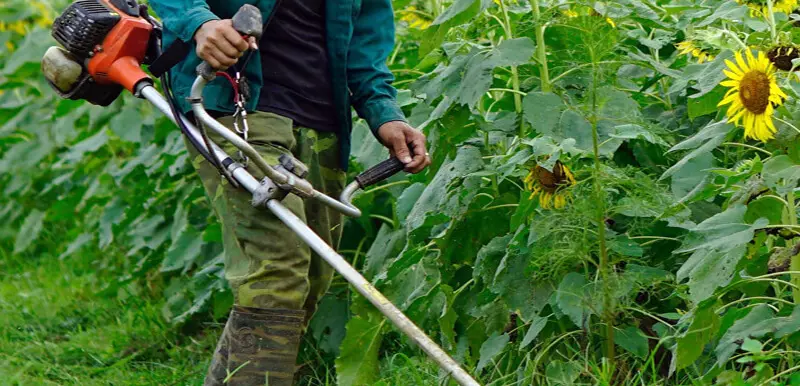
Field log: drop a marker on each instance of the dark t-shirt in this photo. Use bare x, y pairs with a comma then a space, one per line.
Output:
294, 59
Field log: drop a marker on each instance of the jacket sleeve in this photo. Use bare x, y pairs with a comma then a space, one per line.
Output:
183, 17
368, 76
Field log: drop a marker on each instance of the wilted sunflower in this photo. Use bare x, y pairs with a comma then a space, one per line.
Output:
760, 7
782, 56
689, 47
753, 95
550, 186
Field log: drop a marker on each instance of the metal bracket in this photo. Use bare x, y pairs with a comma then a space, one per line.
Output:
267, 191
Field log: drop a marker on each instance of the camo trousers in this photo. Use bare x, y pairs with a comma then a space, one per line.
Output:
266, 264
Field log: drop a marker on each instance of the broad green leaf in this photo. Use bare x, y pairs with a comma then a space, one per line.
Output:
543, 111
765, 207
183, 251
357, 363
489, 258
490, 349
571, 298
328, 324
89, 145
29, 231
437, 199
708, 270
537, 325
781, 173
459, 12
625, 246
128, 123
512, 52
703, 327
632, 340
563, 373
76, 245
31, 51
703, 143
760, 322
632, 131
699, 105
722, 232
388, 243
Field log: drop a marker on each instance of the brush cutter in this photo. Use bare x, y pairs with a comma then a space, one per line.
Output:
106, 42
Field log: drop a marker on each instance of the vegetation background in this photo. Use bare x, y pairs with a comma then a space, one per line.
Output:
590, 217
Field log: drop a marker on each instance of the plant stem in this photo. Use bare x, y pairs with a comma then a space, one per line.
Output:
773, 31
541, 48
603, 265
794, 266
515, 84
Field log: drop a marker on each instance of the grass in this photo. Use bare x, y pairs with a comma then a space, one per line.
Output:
55, 329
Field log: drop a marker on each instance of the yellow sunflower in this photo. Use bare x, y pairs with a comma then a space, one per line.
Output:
753, 95
690, 48
760, 7
415, 18
550, 186
572, 13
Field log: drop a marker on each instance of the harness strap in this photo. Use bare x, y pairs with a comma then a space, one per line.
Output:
173, 55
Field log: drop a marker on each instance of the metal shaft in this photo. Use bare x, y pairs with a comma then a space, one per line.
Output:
366, 289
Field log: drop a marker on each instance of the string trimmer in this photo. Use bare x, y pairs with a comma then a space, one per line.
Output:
106, 42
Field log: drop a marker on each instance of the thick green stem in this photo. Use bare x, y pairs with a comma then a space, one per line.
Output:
600, 201
773, 30
541, 48
515, 84
795, 263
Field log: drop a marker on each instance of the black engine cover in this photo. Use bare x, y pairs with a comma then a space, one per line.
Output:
84, 25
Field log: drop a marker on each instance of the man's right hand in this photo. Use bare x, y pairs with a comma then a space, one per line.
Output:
220, 45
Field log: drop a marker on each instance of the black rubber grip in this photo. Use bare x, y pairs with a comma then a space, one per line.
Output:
246, 21
380, 172
206, 71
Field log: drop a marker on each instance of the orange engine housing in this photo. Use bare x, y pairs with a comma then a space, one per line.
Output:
118, 59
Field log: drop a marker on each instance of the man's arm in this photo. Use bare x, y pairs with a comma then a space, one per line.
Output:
370, 82
217, 42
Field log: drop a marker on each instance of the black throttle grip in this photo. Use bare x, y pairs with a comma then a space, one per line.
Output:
246, 21
380, 172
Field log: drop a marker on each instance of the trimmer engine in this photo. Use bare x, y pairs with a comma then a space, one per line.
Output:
105, 42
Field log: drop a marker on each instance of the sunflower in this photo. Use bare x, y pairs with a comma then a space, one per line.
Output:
760, 7
572, 13
415, 18
550, 186
753, 95
782, 56
689, 47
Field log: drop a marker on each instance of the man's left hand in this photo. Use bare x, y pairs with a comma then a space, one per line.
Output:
407, 144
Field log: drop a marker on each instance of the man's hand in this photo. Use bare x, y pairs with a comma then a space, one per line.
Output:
220, 45
407, 144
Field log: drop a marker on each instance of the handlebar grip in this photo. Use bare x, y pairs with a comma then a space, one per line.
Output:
380, 172
206, 71
246, 21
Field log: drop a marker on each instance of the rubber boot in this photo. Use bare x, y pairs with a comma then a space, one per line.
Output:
218, 369
261, 347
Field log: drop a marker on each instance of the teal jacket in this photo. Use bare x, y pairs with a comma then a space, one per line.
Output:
360, 37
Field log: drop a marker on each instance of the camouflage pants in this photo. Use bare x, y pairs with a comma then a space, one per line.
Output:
266, 264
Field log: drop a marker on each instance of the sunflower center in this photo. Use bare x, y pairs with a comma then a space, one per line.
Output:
754, 91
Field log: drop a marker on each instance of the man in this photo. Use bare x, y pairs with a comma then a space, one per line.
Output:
316, 59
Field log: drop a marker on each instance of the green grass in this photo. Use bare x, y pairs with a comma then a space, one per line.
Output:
55, 329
